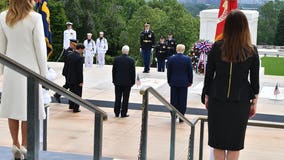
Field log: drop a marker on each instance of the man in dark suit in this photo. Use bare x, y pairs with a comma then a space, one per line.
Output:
179, 78
147, 42
75, 74
123, 77
69, 50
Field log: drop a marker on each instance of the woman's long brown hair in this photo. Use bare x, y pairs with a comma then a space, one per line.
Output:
237, 46
18, 10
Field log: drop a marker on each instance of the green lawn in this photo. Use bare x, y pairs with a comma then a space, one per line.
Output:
273, 65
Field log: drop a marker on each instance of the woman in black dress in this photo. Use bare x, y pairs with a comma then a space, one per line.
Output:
231, 87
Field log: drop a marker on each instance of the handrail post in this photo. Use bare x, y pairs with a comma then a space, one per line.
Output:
33, 118
44, 143
144, 125
201, 140
98, 132
191, 143
173, 135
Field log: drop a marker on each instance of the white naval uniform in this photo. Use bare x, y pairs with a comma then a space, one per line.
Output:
89, 52
67, 35
102, 47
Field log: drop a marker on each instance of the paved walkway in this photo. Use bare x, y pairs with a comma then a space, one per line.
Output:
73, 133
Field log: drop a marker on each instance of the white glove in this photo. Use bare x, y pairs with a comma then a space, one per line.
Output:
152, 49
140, 49
166, 60
156, 59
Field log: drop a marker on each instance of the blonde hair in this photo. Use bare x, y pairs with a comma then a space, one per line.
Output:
18, 10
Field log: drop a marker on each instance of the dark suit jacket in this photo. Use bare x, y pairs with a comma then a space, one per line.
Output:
217, 85
75, 68
179, 71
123, 71
65, 55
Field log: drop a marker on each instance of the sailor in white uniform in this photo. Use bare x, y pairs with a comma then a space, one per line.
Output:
90, 49
102, 47
68, 34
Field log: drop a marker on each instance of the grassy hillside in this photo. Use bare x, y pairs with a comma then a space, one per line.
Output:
273, 65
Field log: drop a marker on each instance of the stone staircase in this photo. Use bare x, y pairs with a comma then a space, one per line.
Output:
6, 154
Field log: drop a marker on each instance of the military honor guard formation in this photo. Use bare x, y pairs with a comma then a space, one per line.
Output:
124, 74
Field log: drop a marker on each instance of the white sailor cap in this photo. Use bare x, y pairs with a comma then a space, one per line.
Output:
69, 23
101, 32
89, 34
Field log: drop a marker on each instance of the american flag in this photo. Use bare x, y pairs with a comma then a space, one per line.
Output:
138, 82
225, 8
276, 90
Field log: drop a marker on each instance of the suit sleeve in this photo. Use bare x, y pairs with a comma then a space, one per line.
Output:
114, 70
210, 71
3, 46
133, 72
80, 70
40, 46
254, 73
190, 72
169, 71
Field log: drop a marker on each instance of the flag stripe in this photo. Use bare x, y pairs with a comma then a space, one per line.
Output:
44, 11
225, 8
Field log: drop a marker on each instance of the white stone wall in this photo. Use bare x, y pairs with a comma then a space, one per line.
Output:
209, 19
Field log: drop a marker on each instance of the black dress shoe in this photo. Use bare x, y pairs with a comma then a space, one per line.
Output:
71, 107
57, 97
76, 110
123, 116
116, 115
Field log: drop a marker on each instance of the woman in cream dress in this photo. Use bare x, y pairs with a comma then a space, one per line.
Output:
22, 39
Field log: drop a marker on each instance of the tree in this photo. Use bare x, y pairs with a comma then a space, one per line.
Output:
3, 4
268, 20
57, 23
164, 16
123, 20
156, 17
279, 38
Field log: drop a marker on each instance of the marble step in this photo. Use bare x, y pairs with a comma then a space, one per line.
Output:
6, 154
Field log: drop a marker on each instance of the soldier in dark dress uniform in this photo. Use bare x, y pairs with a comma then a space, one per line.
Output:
147, 42
171, 45
75, 74
69, 50
161, 54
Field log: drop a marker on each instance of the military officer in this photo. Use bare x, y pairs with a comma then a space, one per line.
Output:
68, 34
68, 51
102, 47
171, 45
147, 42
90, 49
161, 54
75, 74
